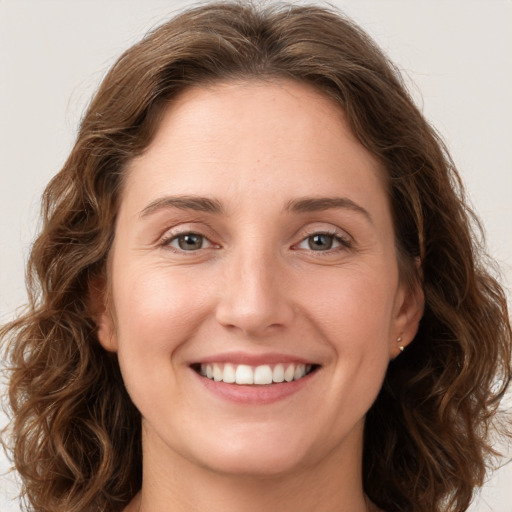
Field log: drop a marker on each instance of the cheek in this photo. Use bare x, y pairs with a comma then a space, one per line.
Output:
354, 306
156, 311
355, 318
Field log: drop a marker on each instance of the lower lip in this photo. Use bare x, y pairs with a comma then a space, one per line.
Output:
255, 394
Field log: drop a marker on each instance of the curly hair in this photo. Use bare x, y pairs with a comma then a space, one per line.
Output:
75, 435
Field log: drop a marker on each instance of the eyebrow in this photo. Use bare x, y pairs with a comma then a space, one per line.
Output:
196, 203
315, 204
205, 204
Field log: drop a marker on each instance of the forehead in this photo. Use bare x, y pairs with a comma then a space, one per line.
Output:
242, 134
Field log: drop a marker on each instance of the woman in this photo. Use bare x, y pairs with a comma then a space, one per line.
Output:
258, 286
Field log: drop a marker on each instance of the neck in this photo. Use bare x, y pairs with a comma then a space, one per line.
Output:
172, 482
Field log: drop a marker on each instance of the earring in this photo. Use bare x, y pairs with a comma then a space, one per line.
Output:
399, 340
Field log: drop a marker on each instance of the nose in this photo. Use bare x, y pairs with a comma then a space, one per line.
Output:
255, 296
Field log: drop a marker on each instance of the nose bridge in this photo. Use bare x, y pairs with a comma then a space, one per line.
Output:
254, 298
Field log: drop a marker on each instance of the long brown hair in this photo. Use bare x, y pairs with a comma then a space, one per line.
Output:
75, 435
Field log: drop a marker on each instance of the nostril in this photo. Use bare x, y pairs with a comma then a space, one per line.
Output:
255, 305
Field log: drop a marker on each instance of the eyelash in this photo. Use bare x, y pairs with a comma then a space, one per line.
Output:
344, 241
170, 237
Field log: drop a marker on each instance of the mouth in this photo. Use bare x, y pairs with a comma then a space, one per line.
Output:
261, 375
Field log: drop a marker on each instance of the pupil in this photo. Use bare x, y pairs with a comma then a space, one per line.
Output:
190, 241
320, 242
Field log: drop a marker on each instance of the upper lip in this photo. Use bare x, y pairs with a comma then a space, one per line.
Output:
253, 359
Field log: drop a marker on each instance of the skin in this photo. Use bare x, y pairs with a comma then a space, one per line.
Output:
255, 286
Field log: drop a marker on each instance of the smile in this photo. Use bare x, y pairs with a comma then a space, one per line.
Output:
261, 375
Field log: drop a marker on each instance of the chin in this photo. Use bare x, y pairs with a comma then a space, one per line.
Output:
256, 465
261, 452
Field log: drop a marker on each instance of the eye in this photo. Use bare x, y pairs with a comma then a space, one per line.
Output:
320, 242
323, 242
188, 242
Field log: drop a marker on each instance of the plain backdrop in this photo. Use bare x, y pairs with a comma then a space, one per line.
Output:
456, 56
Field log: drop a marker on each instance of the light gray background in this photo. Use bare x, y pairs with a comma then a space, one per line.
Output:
456, 54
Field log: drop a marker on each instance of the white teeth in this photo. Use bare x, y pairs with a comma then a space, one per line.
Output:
278, 373
289, 373
258, 375
217, 372
300, 371
229, 374
244, 374
263, 375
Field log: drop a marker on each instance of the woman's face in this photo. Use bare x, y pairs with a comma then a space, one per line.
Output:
254, 242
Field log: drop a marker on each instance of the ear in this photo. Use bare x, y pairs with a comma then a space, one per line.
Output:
101, 313
409, 306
